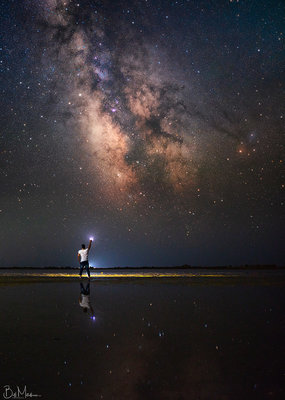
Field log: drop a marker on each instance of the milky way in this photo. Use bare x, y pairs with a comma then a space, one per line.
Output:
133, 116
157, 125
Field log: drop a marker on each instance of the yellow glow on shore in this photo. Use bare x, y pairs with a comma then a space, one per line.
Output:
116, 275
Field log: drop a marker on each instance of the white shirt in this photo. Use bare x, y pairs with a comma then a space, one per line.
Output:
83, 255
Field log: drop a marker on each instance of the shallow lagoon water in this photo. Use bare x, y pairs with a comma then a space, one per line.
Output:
144, 339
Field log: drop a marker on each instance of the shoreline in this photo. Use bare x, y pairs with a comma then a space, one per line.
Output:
173, 278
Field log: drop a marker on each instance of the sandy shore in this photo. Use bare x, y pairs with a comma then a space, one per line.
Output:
218, 277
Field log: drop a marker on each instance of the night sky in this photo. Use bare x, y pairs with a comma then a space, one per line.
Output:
157, 126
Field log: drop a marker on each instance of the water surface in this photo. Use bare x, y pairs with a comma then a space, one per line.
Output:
144, 339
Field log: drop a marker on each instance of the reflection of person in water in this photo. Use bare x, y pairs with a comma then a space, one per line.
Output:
84, 299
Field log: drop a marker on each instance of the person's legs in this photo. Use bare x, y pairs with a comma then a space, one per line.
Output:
87, 269
81, 269
84, 290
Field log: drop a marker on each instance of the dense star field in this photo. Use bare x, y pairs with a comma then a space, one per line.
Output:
155, 125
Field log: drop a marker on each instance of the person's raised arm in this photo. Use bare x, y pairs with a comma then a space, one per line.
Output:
90, 243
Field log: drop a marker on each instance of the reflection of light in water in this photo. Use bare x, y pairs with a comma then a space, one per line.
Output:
93, 318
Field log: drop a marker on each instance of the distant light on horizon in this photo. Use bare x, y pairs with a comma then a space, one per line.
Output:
92, 264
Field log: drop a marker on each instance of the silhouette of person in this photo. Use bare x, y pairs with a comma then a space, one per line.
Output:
83, 258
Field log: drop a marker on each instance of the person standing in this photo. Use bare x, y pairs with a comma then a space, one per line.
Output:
83, 258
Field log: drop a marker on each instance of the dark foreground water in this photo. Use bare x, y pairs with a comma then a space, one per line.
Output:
143, 339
